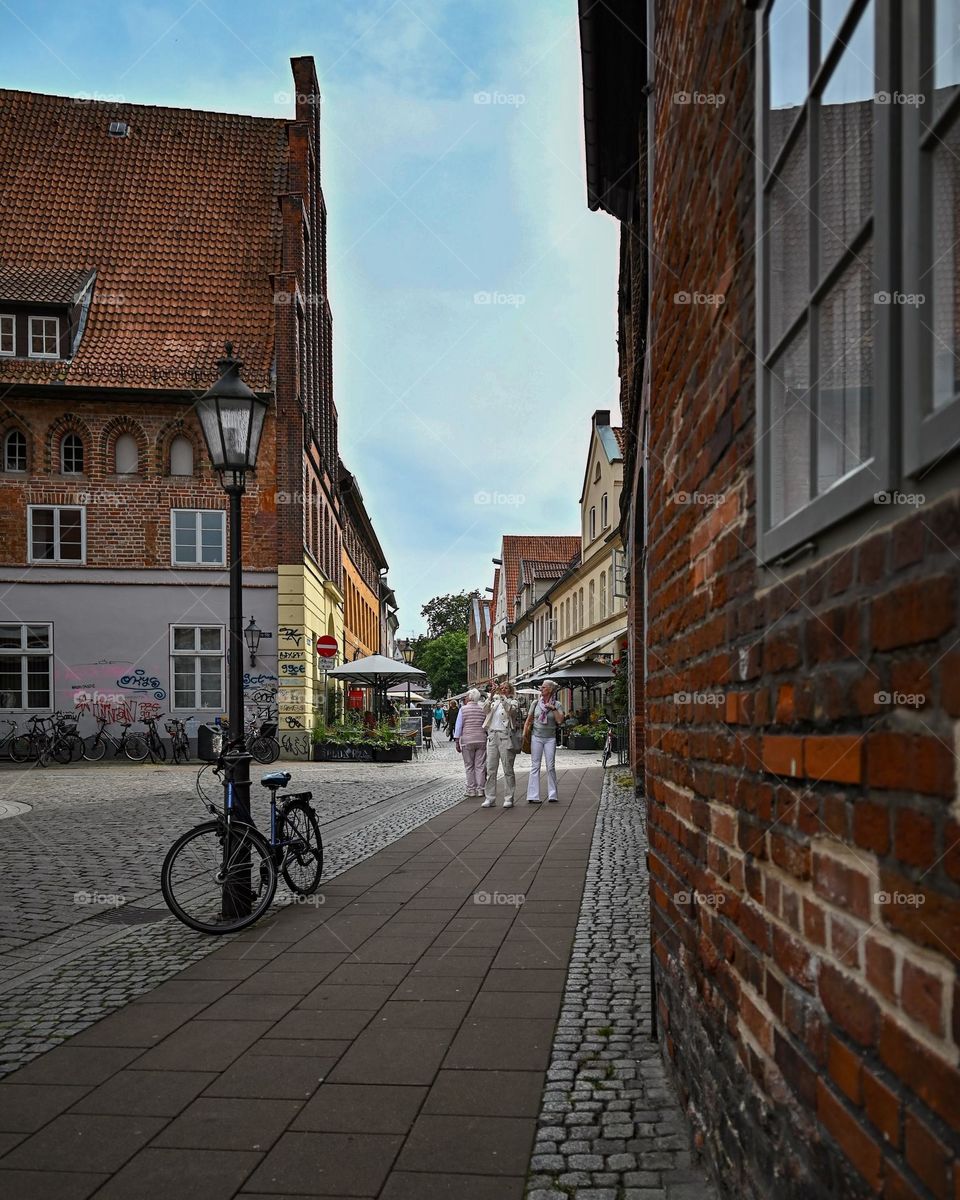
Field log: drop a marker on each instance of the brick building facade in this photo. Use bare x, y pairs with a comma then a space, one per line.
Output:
793, 611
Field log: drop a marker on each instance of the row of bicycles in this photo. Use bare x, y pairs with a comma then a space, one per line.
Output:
56, 738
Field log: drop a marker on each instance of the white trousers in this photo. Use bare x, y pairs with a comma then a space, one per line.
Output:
542, 748
499, 750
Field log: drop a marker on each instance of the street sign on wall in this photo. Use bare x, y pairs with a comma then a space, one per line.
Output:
326, 646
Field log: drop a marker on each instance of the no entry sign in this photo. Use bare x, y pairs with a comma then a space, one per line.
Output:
327, 646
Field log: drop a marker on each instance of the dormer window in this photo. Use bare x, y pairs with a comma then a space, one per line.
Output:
44, 337
8, 334
71, 455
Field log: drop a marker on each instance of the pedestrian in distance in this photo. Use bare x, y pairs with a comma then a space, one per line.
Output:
451, 718
503, 742
470, 738
543, 721
438, 716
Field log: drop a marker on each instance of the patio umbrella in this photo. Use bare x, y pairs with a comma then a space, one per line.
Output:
378, 672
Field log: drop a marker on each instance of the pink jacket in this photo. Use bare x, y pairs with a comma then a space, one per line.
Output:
469, 728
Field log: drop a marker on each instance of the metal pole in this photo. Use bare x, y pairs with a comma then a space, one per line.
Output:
237, 895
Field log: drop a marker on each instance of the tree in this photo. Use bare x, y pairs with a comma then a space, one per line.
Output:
448, 614
443, 660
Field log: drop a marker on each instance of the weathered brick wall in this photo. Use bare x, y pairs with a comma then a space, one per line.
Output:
804, 835
128, 516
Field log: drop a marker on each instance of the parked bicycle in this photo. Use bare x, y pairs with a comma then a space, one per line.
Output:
14, 744
608, 742
155, 747
221, 876
262, 741
64, 743
130, 744
179, 742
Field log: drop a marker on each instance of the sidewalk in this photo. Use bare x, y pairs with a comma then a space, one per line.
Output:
391, 1044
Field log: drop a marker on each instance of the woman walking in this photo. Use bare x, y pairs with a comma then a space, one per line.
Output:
451, 718
503, 742
470, 738
543, 721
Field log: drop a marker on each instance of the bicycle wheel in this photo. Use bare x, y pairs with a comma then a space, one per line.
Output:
204, 887
136, 748
183, 745
94, 748
158, 750
265, 749
606, 754
176, 751
68, 748
302, 861
21, 748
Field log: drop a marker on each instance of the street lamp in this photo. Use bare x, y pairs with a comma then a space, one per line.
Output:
252, 635
408, 650
549, 655
231, 417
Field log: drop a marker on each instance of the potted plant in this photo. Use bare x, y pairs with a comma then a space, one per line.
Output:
390, 746
586, 737
339, 743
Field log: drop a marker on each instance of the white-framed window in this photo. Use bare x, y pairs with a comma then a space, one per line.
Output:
26, 667
126, 455
198, 537
71, 454
44, 337
591, 603
593, 523
15, 451
603, 594
57, 533
196, 667
8, 333
604, 513
181, 456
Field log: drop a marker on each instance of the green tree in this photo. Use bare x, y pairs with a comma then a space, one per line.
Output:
448, 614
443, 660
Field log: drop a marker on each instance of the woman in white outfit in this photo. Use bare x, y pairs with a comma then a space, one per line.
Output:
543, 721
502, 742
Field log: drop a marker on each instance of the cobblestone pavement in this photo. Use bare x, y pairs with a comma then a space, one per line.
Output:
611, 1126
83, 927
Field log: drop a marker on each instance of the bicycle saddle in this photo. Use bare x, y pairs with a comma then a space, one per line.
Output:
276, 779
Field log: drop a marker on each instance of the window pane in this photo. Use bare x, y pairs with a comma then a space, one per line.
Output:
38, 682
15, 451
181, 457
126, 454
185, 536
847, 323
38, 637
210, 683
184, 682
788, 37
184, 638
832, 13
71, 542
210, 638
211, 537
10, 636
42, 529
10, 682
946, 51
846, 144
788, 241
790, 430
945, 222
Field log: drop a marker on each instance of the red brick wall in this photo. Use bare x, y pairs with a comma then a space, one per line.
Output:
128, 517
804, 834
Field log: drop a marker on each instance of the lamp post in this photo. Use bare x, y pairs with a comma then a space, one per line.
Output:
231, 417
549, 655
251, 635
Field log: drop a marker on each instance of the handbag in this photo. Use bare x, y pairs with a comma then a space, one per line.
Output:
527, 734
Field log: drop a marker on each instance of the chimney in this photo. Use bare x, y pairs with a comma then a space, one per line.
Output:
601, 417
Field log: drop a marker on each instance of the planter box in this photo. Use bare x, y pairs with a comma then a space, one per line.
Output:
332, 752
578, 742
393, 754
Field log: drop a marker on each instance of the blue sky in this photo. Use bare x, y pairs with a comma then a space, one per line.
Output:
474, 295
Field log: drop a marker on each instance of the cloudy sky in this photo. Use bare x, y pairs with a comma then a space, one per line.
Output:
474, 295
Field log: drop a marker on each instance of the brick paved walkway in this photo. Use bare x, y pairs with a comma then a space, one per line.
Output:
391, 1044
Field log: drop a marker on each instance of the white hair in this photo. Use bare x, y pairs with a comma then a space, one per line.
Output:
474, 695
550, 683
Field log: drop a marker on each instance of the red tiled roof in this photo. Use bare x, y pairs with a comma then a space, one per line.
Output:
533, 568
558, 549
621, 437
53, 285
179, 219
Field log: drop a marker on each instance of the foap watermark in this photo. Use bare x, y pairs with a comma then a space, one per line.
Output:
900, 99
505, 499
108, 299
707, 499
94, 499
99, 98
900, 299
900, 699
501, 99
500, 299
715, 698
314, 299
707, 99
911, 499
295, 97
706, 899
109, 899
710, 299
309, 901
510, 899
901, 899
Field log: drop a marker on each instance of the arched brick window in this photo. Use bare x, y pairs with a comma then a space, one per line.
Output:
181, 456
71, 454
126, 455
15, 450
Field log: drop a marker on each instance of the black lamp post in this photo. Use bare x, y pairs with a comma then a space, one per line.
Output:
231, 416
549, 655
251, 635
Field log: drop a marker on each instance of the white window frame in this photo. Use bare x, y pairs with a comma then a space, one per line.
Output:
72, 433
592, 525
173, 537
26, 457
859, 486
196, 654
4, 317
604, 511
57, 510
31, 353
24, 652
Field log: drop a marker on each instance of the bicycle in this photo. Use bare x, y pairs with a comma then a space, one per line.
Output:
179, 742
262, 741
155, 747
10, 740
64, 743
221, 876
130, 744
608, 742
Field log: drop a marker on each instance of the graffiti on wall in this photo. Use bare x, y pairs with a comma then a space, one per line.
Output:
139, 681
